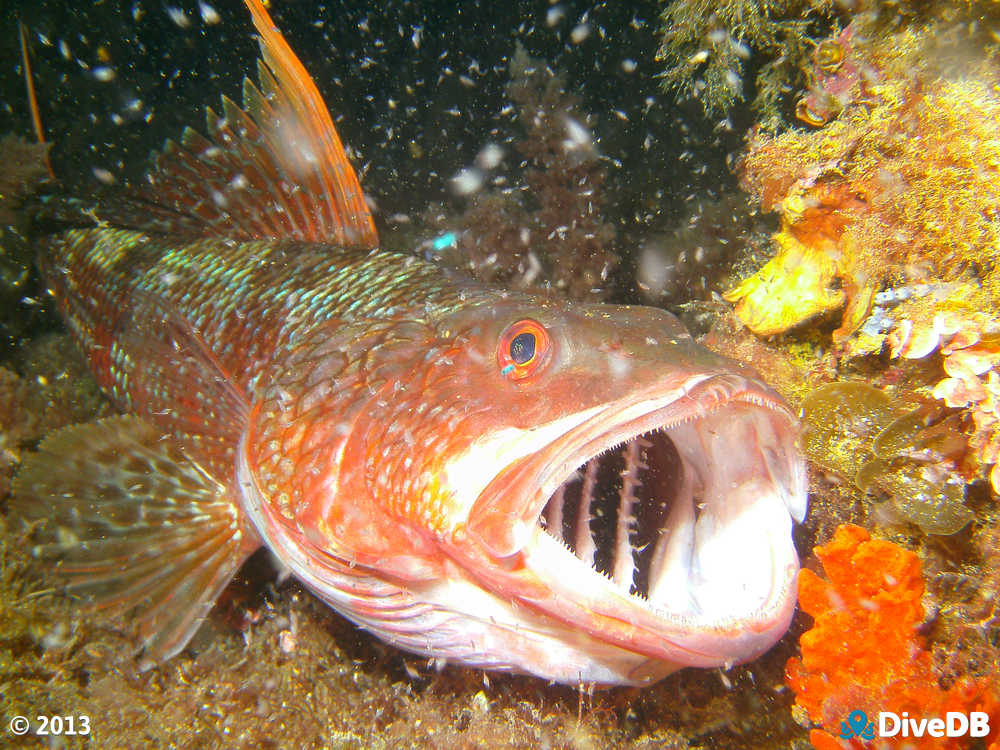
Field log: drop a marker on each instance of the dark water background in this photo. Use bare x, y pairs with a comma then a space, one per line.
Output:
417, 89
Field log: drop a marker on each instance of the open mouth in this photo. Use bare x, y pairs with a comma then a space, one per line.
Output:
687, 507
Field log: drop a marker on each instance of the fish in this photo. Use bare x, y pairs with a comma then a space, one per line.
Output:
487, 477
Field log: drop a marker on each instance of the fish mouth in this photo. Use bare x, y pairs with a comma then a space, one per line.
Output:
671, 515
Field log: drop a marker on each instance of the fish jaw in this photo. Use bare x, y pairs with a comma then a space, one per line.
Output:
719, 586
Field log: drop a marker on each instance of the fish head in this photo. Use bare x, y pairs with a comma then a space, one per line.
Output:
579, 492
631, 490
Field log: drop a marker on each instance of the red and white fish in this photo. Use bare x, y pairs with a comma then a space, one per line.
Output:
492, 478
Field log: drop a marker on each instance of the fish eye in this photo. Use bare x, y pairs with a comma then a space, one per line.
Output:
523, 349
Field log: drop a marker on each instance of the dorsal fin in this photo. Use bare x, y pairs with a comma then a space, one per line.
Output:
274, 169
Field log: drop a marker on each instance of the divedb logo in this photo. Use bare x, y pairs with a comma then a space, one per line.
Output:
889, 724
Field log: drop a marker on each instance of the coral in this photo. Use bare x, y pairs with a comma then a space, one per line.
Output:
552, 233
863, 651
912, 455
903, 185
704, 46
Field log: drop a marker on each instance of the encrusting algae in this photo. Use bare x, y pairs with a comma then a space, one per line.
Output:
910, 454
901, 187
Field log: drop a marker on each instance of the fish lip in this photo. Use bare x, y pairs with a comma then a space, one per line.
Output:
591, 603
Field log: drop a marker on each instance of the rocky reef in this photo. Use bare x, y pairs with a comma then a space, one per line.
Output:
877, 312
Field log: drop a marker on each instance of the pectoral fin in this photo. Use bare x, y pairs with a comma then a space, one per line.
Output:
132, 527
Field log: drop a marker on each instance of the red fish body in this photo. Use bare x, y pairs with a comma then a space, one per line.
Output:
493, 478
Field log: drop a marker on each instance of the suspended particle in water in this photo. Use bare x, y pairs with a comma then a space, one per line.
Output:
104, 175
467, 181
579, 33
742, 51
578, 137
209, 14
489, 156
178, 17
717, 36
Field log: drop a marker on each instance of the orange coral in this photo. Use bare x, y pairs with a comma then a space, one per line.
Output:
863, 652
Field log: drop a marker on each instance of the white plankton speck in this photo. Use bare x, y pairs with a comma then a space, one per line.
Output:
577, 136
579, 33
489, 156
629, 65
103, 74
209, 14
555, 15
742, 51
104, 175
467, 181
178, 16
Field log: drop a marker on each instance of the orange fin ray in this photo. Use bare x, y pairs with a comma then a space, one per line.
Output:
275, 169
29, 83
132, 527
304, 117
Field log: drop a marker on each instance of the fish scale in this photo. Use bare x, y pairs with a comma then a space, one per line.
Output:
391, 432
280, 290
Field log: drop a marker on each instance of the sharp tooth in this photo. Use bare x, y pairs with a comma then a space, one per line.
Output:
788, 475
670, 567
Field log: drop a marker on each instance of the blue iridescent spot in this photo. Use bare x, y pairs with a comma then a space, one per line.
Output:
448, 239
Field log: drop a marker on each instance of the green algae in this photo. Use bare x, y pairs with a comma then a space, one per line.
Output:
857, 431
